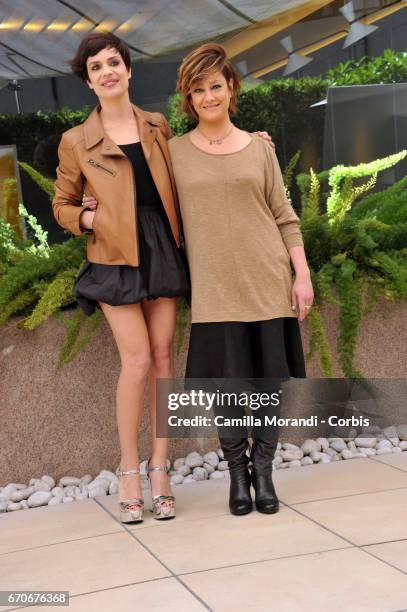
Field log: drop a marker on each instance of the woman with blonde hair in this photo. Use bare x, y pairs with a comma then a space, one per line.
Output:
241, 233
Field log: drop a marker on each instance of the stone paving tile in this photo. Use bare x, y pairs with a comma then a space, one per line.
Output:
335, 580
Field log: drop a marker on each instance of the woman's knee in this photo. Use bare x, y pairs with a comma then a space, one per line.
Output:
161, 357
137, 365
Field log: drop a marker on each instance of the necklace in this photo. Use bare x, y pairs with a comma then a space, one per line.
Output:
217, 141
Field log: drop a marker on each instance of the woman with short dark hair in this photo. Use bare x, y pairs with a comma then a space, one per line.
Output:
135, 268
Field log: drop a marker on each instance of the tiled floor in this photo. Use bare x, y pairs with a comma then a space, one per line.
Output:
338, 543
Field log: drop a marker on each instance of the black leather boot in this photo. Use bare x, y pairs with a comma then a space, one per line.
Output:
234, 450
262, 454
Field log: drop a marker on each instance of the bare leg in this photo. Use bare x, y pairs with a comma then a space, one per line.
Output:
130, 333
160, 316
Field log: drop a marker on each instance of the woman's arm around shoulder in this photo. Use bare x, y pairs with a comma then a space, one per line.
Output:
161, 122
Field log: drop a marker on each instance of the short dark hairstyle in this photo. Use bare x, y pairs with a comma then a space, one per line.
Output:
91, 45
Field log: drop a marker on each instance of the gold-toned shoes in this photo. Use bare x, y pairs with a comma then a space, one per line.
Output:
131, 510
163, 506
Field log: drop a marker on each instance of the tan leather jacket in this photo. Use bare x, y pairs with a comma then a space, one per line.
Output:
91, 163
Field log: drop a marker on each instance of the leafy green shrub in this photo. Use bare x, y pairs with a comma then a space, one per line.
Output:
391, 67
357, 251
354, 255
27, 130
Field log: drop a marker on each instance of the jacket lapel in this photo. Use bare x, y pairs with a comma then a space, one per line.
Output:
147, 132
94, 133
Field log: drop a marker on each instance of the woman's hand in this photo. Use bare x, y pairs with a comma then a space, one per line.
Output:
266, 136
89, 202
86, 218
302, 295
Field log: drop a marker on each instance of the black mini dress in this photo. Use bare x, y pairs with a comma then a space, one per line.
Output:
163, 269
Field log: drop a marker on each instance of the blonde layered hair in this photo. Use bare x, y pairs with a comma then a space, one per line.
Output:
197, 65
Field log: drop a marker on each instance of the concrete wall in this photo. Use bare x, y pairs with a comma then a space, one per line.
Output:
63, 422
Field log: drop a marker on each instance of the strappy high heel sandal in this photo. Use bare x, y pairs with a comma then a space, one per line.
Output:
163, 506
131, 510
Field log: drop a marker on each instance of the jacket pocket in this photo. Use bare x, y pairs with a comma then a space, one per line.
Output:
100, 166
94, 223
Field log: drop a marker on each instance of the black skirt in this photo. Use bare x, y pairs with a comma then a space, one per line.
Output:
225, 356
259, 349
163, 269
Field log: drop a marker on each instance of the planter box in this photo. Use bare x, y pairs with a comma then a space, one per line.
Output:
62, 422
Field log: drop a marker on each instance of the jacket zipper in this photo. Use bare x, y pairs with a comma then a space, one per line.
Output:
96, 164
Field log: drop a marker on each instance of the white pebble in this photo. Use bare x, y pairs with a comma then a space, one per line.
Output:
57, 491
96, 491
368, 452
194, 459
67, 481
215, 475
49, 480
113, 488
324, 444
310, 446
292, 455
338, 444
209, 468
176, 479
18, 496
402, 432
363, 442
212, 458
108, 475
178, 462
199, 473
385, 450
100, 483
315, 456
289, 446
81, 495
39, 498
12, 507
184, 470
223, 465
384, 444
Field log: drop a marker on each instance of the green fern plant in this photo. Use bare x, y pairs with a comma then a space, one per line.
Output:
343, 193
46, 184
355, 257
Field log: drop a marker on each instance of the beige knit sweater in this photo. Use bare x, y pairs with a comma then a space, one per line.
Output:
238, 226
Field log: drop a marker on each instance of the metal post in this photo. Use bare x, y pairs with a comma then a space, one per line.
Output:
16, 87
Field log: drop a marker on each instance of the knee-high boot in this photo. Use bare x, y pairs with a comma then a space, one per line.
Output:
234, 450
261, 455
